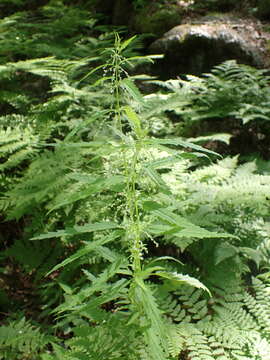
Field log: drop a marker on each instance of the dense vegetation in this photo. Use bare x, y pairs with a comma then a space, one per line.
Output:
135, 218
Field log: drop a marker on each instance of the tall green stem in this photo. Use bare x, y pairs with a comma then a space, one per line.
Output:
133, 210
116, 68
130, 164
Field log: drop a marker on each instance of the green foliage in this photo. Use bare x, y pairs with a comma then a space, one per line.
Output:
20, 340
84, 174
113, 208
52, 29
224, 198
232, 98
226, 326
241, 100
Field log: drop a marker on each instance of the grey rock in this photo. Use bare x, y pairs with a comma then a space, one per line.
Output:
196, 48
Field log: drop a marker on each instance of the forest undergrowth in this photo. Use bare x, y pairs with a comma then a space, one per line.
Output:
134, 226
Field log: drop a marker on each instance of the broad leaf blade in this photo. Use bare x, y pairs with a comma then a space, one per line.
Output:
182, 279
90, 247
182, 143
132, 90
78, 230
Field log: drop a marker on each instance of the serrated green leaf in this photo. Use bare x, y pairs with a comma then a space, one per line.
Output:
162, 258
151, 205
156, 331
182, 279
126, 43
132, 90
78, 230
157, 179
134, 122
163, 162
95, 186
181, 227
182, 143
88, 248
215, 137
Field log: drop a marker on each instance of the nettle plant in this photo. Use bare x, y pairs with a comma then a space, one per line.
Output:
114, 311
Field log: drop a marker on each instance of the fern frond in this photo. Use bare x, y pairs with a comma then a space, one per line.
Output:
20, 339
17, 145
258, 305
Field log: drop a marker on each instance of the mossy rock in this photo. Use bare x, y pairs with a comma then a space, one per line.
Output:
196, 48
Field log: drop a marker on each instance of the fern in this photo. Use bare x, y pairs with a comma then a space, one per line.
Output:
224, 327
227, 199
218, 102
16, 146
35, 34
20, 340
